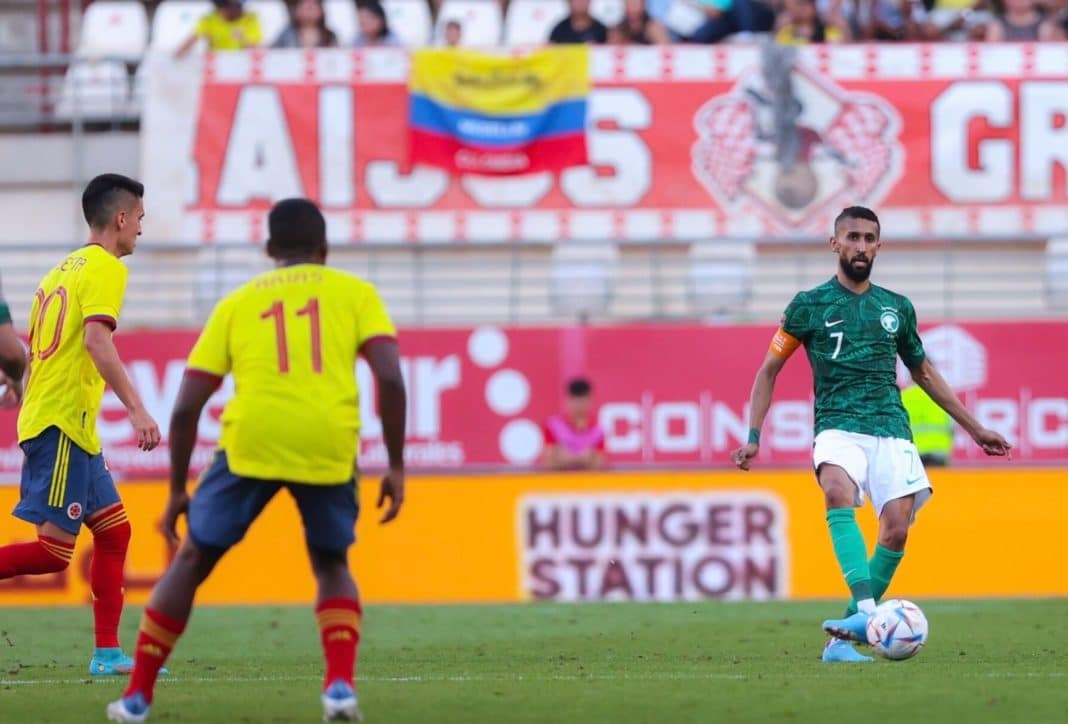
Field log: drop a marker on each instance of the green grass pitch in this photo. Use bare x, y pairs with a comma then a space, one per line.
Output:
986, 661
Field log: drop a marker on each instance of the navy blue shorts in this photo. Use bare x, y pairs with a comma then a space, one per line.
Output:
224, 506
61, 483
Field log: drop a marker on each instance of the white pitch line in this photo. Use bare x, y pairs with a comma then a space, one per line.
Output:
503, 678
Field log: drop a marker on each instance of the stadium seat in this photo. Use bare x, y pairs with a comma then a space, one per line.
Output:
409, 20
1057, 272
341, 18
529, 22
95, 91
582, 278
721, 277
480, 22
174, 22
609, 12
274, 18
114, 30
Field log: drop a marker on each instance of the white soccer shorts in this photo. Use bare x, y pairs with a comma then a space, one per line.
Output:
883, 468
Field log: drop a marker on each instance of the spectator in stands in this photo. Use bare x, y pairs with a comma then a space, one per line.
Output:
890, 20
1022, 21
710, 21
228, 27
800, 24
307, 27
579, 26
373, 26
637, 27
955, 20
574, 440
453, 34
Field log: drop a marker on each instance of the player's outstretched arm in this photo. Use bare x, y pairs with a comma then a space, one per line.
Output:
101, 349
759, 403
931, 381
383, 357
12, 353
197, 388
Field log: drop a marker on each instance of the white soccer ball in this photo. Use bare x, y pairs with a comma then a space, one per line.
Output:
897, 630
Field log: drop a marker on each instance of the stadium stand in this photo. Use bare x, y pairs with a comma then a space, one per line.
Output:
117, 30
480, 21
529, 22
341, 18
174, 21
410, 21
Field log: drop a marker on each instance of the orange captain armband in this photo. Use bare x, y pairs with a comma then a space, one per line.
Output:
783, 344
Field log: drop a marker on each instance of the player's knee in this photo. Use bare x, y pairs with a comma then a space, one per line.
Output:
198, 560
893, 534
328, 561
51, 558
838, 494
112, 535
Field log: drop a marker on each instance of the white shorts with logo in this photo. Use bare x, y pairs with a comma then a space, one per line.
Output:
883, 468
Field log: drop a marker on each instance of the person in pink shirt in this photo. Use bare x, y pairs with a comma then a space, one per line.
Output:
573, 439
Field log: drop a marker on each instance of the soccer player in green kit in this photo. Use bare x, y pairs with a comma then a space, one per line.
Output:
853, 332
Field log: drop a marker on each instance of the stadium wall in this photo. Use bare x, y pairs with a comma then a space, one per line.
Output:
650, 536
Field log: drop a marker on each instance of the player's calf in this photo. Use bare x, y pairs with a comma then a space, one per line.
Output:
45, 555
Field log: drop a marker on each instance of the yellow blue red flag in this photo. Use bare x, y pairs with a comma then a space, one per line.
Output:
474, 112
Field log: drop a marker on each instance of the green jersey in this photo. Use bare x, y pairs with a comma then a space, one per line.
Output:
853, 341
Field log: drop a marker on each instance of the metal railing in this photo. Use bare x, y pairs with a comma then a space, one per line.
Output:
176, 286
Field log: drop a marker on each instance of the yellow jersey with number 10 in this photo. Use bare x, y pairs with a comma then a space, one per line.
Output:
291, 337
64, 388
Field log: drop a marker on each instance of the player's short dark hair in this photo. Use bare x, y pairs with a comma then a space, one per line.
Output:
857, 212
296, 228
104, 194
579, 387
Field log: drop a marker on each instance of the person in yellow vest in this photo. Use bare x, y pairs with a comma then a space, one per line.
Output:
932, 427
228, 27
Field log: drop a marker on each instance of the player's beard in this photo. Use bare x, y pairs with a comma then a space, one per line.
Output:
857, 274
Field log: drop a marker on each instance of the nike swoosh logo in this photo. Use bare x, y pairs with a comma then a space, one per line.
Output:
913, 482
831, 324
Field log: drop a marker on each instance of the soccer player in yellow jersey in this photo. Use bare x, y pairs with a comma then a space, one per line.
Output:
290, 338
64, 479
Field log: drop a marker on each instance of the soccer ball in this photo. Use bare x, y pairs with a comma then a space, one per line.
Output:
897, 630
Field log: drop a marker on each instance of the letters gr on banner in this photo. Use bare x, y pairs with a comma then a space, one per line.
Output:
681, 546
691, 142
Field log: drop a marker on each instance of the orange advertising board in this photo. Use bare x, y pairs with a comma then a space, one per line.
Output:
611, 536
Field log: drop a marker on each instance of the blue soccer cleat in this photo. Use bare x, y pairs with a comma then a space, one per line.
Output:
841, 651
339, 703
113, 662
850, 628
129, 708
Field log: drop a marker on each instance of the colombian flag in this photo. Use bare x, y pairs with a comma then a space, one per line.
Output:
473, 112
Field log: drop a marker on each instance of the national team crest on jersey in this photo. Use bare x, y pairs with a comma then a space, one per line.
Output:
74, 511
890, 321
793, 147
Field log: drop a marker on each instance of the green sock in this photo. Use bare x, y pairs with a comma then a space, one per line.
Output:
882, 565
850, 551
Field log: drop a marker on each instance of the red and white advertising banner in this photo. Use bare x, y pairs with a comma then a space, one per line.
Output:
685, 142
666, 395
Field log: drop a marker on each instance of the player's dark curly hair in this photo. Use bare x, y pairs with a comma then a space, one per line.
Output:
103, 196
296, 229
857, 212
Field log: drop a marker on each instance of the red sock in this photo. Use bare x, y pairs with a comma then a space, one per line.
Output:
44, 555
111, 538
339, 628
159, 632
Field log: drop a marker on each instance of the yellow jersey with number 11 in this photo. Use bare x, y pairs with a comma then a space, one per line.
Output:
64, 388
291, 337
